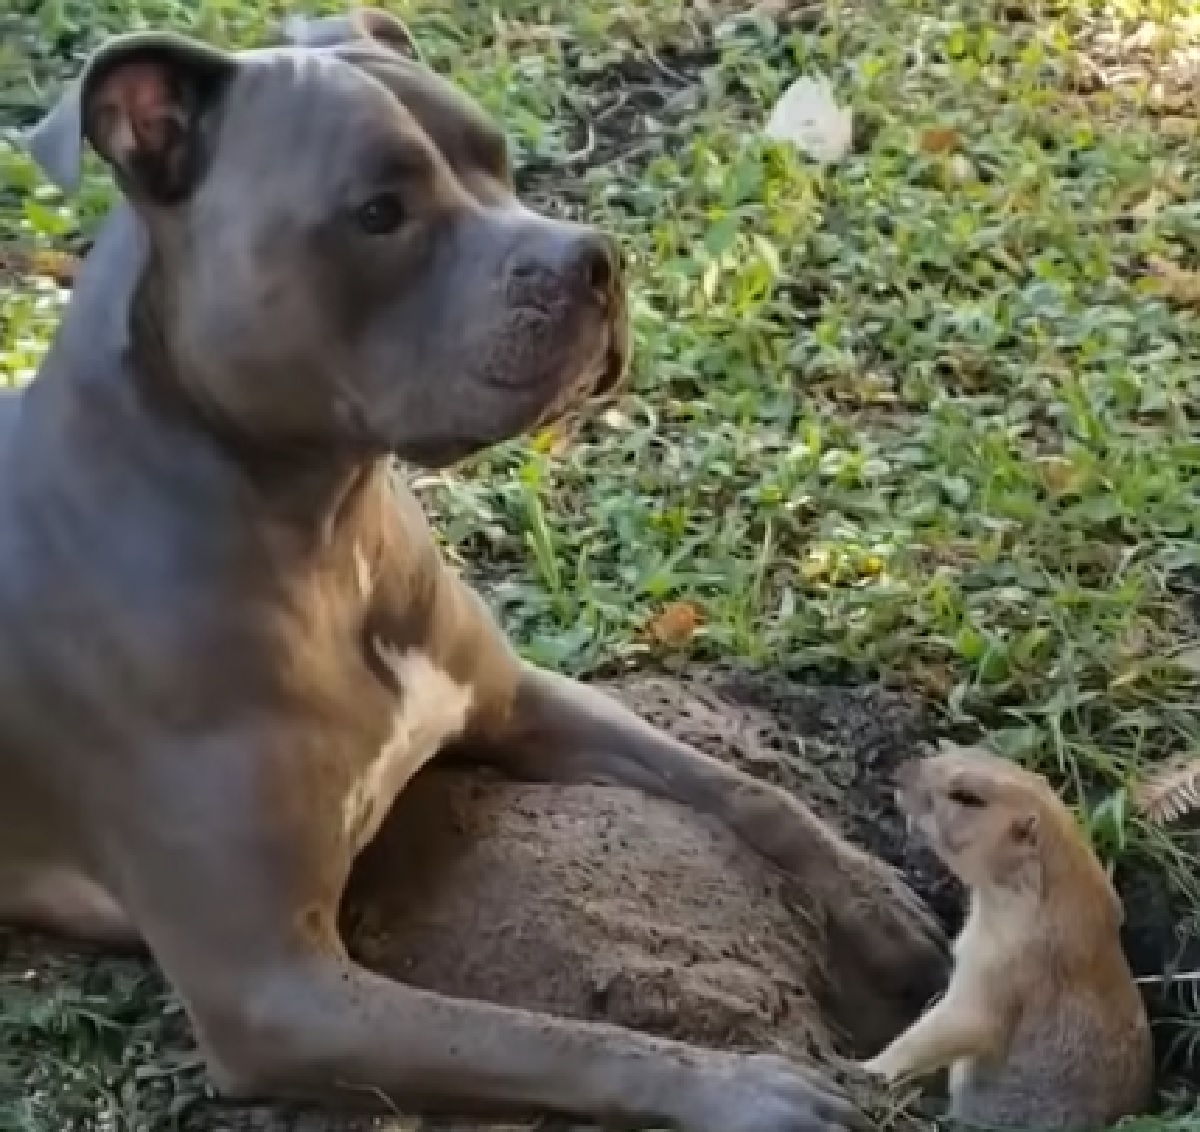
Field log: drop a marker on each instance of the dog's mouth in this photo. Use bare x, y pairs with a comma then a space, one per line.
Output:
599, 376
573, 367
611, 367
550, 372
616, 364
600, 379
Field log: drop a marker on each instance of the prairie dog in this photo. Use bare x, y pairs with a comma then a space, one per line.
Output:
1042, 1025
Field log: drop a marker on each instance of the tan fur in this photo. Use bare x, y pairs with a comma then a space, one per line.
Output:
1042, 1025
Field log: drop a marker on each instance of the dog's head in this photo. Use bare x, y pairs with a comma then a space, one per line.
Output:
340, 252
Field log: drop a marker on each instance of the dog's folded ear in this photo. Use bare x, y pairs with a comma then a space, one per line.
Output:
371, 24
144, 101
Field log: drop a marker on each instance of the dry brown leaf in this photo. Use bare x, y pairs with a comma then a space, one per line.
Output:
781, 9
1149, 206
1174, 102
1060, 475
516, 33
935, 680
556, 439
1189, 660
939, 139
1177, 126
958, 169
62, 267
956, 553
1171, 794
1134, 643
1176, 284
675, 624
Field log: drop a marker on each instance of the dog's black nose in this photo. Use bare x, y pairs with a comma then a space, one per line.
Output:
581, 258
594, 262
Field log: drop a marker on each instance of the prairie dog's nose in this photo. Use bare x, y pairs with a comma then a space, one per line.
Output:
908, 773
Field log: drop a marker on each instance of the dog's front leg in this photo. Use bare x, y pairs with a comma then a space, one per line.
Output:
562, 730
335, 1032
231, 857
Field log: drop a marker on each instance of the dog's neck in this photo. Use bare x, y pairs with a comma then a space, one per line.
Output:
112, 373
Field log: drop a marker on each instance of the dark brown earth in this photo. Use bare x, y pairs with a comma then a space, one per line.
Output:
588, 902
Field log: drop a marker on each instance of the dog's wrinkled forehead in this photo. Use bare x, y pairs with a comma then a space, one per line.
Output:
389, 109
375, 42
469, 140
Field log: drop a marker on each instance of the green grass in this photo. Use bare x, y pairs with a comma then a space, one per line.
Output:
920, 416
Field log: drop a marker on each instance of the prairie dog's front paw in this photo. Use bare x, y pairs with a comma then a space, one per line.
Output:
879, 1066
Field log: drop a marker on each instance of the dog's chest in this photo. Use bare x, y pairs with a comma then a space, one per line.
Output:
431, 708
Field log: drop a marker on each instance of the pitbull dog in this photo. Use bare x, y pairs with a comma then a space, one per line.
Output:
226, 643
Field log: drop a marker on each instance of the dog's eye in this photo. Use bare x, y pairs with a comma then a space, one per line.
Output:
381, 215
966, 798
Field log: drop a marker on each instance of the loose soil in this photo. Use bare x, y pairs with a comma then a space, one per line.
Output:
600, 903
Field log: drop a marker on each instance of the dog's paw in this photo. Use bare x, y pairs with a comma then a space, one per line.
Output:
877, 921
762, 1093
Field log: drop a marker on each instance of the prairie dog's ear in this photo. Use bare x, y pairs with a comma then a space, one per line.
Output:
371, 24
1026, 868
1025, 830
143, 102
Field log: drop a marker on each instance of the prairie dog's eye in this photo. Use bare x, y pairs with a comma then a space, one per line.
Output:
962, 797
381, 215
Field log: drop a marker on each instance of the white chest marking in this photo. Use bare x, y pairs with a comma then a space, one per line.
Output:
432, 710
362, 571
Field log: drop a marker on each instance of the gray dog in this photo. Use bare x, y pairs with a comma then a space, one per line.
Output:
226, 645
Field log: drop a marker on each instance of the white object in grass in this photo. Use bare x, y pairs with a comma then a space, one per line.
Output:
808, 116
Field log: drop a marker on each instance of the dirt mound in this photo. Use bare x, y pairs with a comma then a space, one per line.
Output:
604, 904
592, 903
